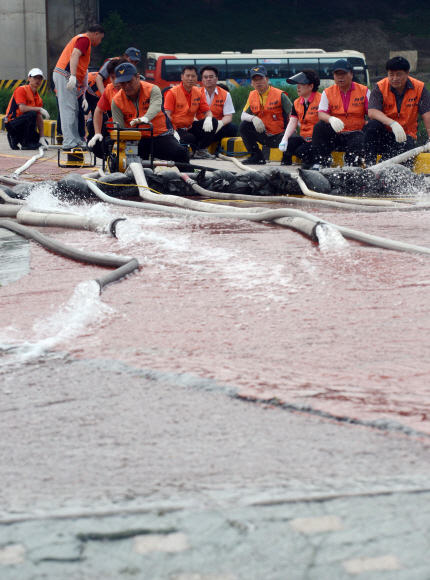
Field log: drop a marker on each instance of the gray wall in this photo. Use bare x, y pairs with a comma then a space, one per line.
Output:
23, 37
34, 32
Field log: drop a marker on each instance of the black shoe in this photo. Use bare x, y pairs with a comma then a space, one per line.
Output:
30, 146
13, 142
306, 166
286, 160
255, 159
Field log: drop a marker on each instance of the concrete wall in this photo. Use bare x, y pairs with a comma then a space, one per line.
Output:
23, 37
34, 32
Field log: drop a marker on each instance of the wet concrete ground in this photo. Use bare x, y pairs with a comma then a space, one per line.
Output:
112, 471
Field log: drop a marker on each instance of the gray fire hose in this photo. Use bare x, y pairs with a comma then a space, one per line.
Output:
124, 265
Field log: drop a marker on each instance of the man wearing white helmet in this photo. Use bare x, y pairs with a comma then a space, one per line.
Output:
24, 115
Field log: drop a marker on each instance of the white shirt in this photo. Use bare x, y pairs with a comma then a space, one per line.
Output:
228, 108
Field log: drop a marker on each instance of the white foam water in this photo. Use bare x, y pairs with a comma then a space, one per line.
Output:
330, 240
82, 311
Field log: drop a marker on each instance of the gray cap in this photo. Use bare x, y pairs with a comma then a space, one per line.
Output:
133, 53
299, 78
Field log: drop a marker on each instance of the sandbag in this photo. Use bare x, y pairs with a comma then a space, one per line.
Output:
315, 180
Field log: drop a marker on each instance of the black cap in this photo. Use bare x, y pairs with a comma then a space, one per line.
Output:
258, 70
125, 72
341, 64
133, 53
299, 78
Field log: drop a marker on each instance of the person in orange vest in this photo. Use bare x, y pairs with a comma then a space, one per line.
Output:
139, 102
264, 117
70, 75
96, 126
183, 103
98, 81
342, 111
304, 114
394, 105
24, 115
219, 101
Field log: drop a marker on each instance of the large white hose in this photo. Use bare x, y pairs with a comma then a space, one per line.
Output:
30, 162
236, 162
401, 158
342, 199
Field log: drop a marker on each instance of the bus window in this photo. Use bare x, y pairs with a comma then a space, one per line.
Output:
150, 63
217, 63
360, 71
239, 68
295, 65
171, 70
277, 68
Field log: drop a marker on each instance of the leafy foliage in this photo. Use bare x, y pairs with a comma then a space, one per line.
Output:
117, 38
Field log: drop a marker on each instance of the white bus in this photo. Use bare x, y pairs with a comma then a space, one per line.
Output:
164, 70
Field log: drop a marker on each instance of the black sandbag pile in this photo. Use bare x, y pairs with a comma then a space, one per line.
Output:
268, 181
400, 181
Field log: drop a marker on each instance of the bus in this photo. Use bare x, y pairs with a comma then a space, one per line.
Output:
164, 70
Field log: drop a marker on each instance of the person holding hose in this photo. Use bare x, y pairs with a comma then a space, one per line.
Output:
304, 114
70, 75
264, 117
342, 111
25, 114
394, 105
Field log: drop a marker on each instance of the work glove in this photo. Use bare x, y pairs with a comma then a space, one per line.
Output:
43, 141
283, 146
97, 137
72, 83
85, 104
427, 147
176, 136
398, 131
207, 125
258, 124
220, 126
44, 112
139, 120
337, 124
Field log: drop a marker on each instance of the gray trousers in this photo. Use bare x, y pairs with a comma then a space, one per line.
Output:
69, 110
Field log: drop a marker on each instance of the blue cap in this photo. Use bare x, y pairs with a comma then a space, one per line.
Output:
125, 72
341, 65
258, 70
133, 53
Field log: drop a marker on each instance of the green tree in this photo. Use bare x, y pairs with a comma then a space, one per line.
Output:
117, 38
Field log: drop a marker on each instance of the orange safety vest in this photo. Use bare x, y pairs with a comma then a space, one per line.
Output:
129, 110
273, 115
92, 86
183, 115
307, 121
408, 115
353, 119
63, 64
217, 105
31, 100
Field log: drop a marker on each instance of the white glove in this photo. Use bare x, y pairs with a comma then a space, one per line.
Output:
283, 146
44, 112
336, 124
176, 136
258, 124
72, 83
97, 137
398, 131
207, 125
139, 120
85, 104
43, 141
427, 146
220, 126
